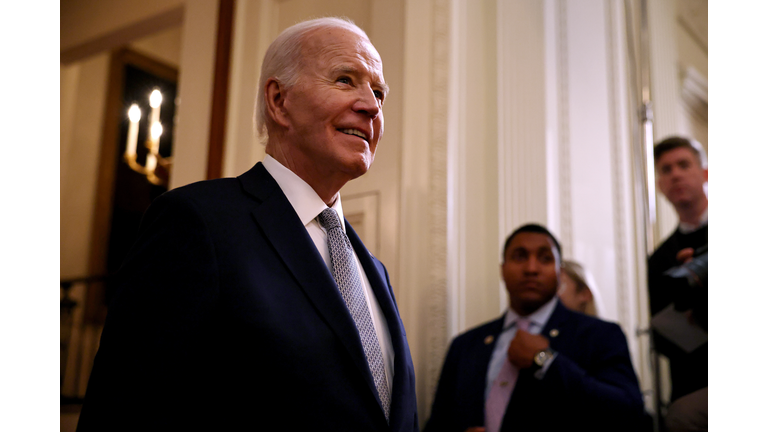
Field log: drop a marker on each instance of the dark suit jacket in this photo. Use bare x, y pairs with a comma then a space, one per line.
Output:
590, 385
227, 318
688, 370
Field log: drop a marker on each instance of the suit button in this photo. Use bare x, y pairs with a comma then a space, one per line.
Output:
488, 339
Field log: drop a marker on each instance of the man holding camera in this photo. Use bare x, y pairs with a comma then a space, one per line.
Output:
681, 170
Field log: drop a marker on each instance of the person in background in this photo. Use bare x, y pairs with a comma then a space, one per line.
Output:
682, 175
578, 290
540, 366
249, 303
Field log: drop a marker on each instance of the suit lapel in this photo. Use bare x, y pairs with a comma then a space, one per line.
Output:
483, 350
555, 325
486, 349
287, 235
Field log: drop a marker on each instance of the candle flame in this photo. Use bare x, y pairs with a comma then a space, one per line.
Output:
156, 131
134, 113
155, 98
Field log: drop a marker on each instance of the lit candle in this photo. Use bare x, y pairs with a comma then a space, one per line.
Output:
151, 162
134, 115
155, 100
155, 131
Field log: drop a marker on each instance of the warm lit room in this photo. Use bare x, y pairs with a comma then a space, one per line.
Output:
498, 114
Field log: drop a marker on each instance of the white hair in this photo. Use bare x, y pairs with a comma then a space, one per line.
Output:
283, 61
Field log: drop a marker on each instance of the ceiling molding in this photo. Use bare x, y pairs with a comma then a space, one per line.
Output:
123, 36
693, 17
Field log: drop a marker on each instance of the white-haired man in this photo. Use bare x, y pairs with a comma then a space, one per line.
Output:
249, 303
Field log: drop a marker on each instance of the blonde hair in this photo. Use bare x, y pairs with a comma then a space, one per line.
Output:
584, 280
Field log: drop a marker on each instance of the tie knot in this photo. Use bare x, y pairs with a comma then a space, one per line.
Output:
329, 219
523, 323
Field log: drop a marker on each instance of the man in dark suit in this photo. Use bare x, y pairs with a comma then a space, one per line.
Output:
248, 303
540, 367
681, 170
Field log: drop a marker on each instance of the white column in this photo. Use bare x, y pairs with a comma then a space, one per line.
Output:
255, 27
665, 94
473, 238
192, 129
522, 155
422, 281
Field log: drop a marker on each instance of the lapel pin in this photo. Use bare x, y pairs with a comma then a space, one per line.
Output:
554, 333
488, 339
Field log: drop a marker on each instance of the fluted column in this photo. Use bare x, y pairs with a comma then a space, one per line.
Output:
521, 114
422, 282
665, 94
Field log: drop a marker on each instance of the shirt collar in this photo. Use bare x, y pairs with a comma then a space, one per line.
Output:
687, 228
305, 201
538, 318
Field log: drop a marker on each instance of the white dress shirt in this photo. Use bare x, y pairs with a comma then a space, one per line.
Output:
308, 205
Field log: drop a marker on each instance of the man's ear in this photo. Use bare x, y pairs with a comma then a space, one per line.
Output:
275, 102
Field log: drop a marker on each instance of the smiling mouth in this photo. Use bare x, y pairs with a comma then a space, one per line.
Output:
354, 132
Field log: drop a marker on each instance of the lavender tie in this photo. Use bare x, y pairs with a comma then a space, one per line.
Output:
501, 390
344, 269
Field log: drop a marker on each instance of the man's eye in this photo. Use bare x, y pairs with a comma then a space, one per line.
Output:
379, 95
344, 80
547, 259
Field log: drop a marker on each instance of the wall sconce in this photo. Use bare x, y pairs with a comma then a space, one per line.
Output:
152, 143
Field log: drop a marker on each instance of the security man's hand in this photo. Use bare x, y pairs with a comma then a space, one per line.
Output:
684, 255
524, 347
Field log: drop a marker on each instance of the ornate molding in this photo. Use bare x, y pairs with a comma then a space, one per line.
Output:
618, 164
563, 129
437, 339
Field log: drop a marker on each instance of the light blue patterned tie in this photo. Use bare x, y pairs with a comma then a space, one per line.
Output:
344, 269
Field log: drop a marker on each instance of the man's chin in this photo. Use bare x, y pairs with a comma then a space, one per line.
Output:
529, 305
358, 167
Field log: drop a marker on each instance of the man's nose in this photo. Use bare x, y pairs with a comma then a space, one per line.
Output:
532, 265
367, 102
677, 172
